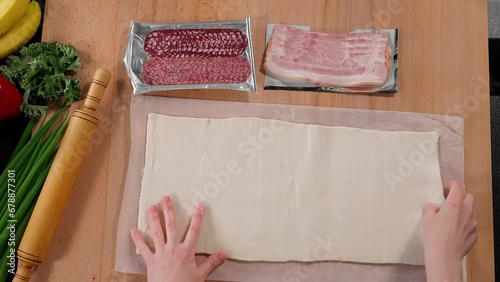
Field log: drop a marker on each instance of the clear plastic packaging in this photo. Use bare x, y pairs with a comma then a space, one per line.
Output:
389, 87
135, 55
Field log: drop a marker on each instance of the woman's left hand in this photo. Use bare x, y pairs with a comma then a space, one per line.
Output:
173, 260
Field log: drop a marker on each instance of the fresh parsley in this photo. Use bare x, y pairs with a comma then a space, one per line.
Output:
41, 72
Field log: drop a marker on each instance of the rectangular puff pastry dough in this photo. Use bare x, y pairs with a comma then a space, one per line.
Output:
280, 191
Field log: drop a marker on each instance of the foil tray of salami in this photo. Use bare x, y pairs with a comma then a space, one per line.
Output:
357, 61
194, 55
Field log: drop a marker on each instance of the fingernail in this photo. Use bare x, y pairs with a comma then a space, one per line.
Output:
152, 208
168, 199
201, 207
222, 256
198, 209
164, 200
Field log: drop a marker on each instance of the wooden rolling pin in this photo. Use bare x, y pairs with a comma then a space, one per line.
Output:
60, 180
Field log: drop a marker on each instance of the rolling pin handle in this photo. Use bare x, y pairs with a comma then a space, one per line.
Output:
97, 87
24, 272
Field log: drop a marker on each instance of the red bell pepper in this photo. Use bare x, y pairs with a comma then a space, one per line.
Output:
10, 99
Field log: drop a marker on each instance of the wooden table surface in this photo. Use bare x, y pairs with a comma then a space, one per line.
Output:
443, 69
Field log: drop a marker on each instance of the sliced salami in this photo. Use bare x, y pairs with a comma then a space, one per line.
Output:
223, 42
182, 71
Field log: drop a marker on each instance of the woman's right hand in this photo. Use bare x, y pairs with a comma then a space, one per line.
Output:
448, 234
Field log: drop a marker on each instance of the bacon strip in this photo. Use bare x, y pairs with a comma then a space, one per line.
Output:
355, 59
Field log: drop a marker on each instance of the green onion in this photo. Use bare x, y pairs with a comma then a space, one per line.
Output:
19, 162
24, 137
23, 155
48, 149
19, 234
31, 162
34, 192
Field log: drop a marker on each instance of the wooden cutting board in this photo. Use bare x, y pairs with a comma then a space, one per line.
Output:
443, 69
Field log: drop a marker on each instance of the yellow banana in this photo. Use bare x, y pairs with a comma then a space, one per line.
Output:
22, 32
10, 12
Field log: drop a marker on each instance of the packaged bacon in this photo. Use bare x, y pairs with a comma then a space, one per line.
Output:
361, 60
197, 55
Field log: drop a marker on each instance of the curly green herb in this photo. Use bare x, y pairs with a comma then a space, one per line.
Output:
41, 72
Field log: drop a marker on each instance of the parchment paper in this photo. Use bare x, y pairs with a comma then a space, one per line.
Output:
451, 158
